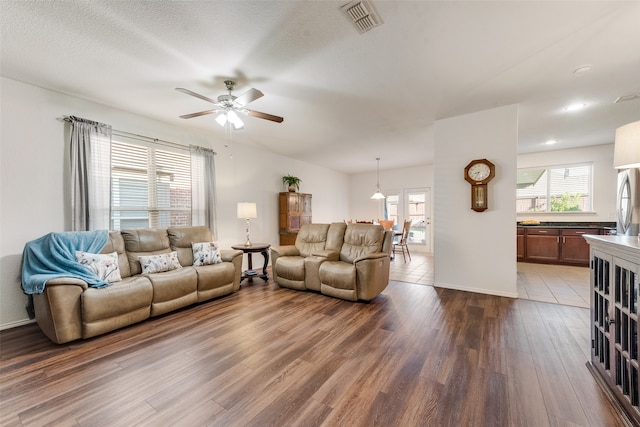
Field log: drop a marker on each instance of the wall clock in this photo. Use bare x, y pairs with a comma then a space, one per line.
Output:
478, 173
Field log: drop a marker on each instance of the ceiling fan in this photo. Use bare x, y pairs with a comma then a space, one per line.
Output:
229, 105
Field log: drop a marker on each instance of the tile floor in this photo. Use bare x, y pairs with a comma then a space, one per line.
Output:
556, 284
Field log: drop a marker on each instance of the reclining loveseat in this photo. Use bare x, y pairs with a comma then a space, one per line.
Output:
347, 261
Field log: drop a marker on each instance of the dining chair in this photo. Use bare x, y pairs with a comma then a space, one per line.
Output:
401, 242
387, 224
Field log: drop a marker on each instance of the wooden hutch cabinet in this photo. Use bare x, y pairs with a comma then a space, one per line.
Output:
615, 279
295, 210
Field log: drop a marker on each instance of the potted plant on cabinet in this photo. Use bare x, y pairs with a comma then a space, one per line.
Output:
292, 181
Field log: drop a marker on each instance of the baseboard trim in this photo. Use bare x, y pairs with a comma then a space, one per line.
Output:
16, 324
477, 290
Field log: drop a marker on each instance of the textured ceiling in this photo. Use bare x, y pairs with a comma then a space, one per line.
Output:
346, 97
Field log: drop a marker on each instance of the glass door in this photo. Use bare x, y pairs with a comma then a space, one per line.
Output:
413, 204
417, 208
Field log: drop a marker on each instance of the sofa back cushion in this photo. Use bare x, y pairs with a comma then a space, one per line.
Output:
181, 239
311, 237
360, 240
115, 243
144, 241
335, 236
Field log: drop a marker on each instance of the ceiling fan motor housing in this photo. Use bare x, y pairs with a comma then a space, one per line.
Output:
226, 100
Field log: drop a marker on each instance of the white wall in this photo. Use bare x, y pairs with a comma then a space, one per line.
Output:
604, 181
392, 181
33, 189
476, 251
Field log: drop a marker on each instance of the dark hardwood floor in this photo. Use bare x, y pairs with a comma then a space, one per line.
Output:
265, 356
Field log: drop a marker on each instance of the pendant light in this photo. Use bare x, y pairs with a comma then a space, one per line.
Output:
378, 194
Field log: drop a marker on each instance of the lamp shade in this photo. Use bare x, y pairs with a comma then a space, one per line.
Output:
247, 210
626, 153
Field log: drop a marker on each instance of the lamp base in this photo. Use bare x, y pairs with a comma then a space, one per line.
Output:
248, 242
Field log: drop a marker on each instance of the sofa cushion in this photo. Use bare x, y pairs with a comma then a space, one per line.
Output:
215, 280
173, 289
159, 263
335, 236
205, 253
119, 298
338, 279
181, 239
311, 237
104, 265
115, 243
291, 272
361, 240
147, 241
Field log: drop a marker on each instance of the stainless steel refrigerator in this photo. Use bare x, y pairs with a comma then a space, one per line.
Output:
628, 204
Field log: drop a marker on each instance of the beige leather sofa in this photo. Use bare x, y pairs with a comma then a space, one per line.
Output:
347, 261
68, 309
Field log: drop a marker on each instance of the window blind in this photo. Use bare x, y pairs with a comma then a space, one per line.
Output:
151, 186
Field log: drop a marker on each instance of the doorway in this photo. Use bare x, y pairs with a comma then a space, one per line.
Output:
413, 204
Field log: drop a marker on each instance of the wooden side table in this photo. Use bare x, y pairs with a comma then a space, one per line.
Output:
263, 248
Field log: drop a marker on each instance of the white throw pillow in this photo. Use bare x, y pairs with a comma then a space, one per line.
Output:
104, 265
159, 263
205, 253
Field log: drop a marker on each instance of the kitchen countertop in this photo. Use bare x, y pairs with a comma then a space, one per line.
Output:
556, 224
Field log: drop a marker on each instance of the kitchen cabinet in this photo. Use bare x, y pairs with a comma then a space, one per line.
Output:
542, 245
520, 244
555, 245
574, 248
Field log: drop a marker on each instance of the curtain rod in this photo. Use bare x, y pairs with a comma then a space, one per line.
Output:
142, 137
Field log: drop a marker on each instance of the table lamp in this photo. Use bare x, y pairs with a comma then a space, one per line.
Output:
247, 211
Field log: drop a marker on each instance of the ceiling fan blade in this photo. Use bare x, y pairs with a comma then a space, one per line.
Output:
201, 113
247, 97
197, 95
265, 116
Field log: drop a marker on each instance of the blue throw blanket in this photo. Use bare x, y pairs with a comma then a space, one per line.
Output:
54, 255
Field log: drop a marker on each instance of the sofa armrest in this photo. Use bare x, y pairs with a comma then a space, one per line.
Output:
372, 275
61, 281
59, 309
376, 255
328, 255
287, 250
228, 255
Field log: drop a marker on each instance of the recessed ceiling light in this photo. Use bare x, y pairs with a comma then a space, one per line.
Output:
575, 107
550, 142
582, 69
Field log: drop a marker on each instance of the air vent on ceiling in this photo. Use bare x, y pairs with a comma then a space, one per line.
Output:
625, 98
362, 14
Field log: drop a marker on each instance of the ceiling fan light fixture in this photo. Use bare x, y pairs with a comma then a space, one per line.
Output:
235, 120
230, 117
222, 119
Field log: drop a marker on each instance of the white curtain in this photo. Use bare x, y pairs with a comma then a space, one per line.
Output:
90, 175
203, 187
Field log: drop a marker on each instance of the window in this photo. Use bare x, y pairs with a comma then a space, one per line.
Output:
555, 189
391, 209
150, 186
